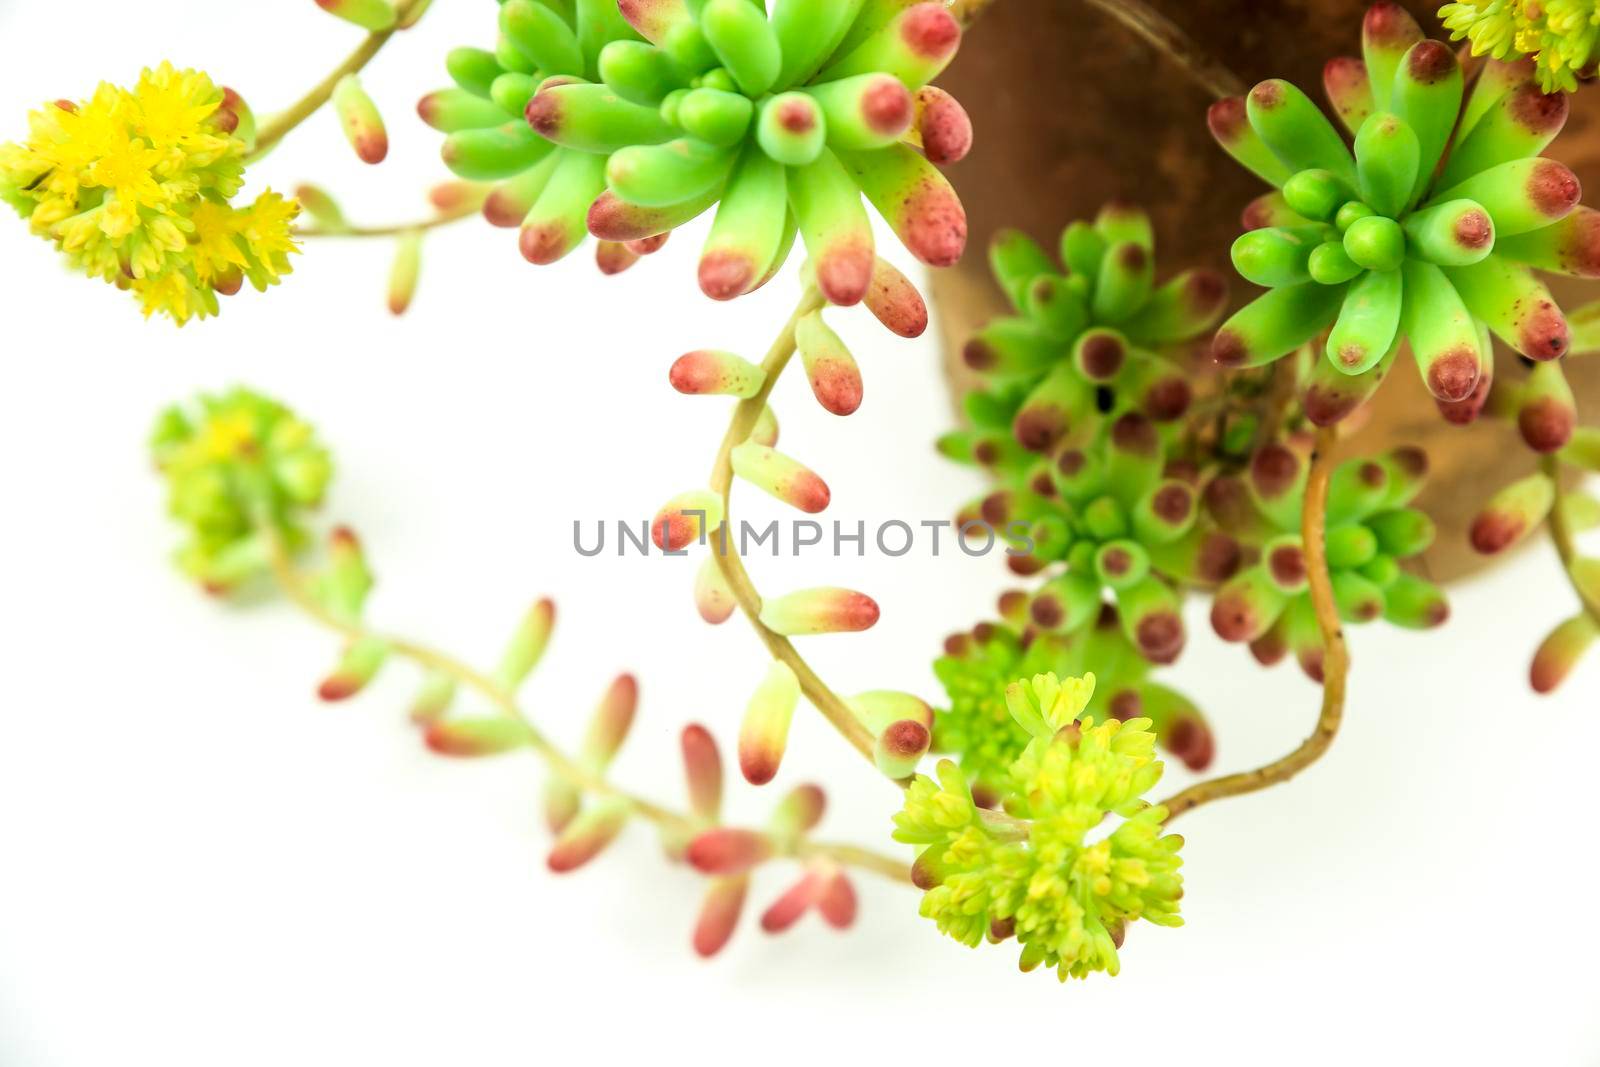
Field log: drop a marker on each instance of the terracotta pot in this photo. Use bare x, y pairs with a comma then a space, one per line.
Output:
1073, 110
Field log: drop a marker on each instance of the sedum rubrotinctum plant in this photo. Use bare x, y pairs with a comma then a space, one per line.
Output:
1135, 453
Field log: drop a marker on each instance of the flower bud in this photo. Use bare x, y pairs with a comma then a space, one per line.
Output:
526, 646
719, 914
363, 126
798, 813
405, 270
710, 372
476, 737
713, 597
900, 748
323, 208
728, 851
895, 301
608, 729
374, 15
562, 802
1546, 413
824, 610
1560, 651
433, 699
781, 477
764, 733
702, 765
1512, 513
614, 257
588, 834
943, 129
356, 667
831, 369
685, 519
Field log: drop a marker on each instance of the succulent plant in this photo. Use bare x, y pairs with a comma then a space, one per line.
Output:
1108, 514
1429, 233
1097, 337
1369, 531
783, 122
544, 189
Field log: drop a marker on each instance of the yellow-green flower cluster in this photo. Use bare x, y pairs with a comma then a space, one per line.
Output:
1560, 35
133, 186
1033, 872
240, 463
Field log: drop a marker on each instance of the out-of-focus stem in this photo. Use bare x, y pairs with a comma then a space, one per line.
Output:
295, 588
1335, 659
1163, 35
394, 229
275, 128
1561, 536
744, 591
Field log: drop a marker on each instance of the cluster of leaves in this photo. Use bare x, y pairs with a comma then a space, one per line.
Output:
1429, 233
628, 120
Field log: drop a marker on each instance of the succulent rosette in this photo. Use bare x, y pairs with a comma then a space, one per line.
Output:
977, 665
543, 188
237, 464
1109, 516
1430, 232
782, 121
1094, 337
1033, 873
1370, 530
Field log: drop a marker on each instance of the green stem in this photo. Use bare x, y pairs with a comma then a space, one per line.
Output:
1165, 37
1561, 536
744, 591
278, 126
393, 229
299, 593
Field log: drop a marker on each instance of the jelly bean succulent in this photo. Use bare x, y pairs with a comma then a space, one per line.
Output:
1429, 233
544, 188
782, 119
1032, 872
137, 187
1124, 475
635, 118
1370, 529
1097, 338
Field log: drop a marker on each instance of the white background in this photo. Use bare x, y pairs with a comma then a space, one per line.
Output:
202, 865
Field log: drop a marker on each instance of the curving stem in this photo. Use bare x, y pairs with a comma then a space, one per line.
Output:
1164, 35
275, 128
1561, 535
1335, 661
744, 420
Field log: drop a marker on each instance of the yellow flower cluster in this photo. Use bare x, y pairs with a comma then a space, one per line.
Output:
1560, 35
133, 186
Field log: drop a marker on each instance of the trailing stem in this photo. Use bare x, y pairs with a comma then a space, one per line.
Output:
739, 428
1335, 661
1561, 536
296, 589
278, 126
1164, 35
